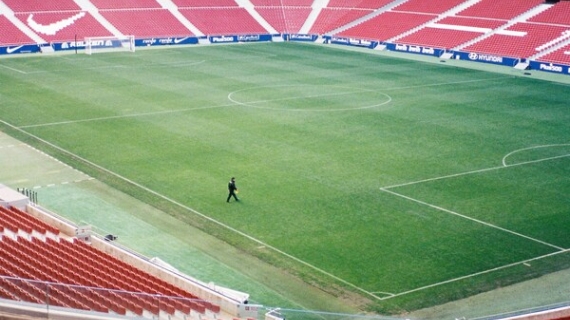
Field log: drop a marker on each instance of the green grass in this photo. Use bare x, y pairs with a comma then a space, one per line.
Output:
381, 176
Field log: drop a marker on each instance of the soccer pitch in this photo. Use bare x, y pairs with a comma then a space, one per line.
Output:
406, 182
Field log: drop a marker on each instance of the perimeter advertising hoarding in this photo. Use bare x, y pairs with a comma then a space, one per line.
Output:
351, 42
301, 37
240, 38
549, 67
147, 42
28, 48
486, 58
414, 49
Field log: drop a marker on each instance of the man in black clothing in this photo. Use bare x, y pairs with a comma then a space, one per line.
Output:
232, 188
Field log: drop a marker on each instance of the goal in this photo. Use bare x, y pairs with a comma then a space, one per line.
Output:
108, 44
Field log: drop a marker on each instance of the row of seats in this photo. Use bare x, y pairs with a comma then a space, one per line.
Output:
439, 38
146, 23
561, 56
387, 25
433, 7
81, 277
19, 6
535, 36
504, 9
332, 18
79, 25
223, 21
477, 23
125, 4
358, 4
204, 3
15, 219
282, 3
557, 14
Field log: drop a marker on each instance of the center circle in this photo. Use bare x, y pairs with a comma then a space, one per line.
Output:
309, 98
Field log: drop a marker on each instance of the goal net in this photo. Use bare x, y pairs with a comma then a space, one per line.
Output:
109, 44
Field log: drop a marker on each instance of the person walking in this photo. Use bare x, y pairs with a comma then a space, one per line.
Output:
232, 188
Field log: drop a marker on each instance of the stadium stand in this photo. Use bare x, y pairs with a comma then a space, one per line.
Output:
282, 3
438, 38
459, 21
54, 21
223, 20
332, 18
125, 4
285, 19
145, 18
19, 6
342, 12
504, 9
451, 32
63, 26
41, 264
146, 22
204, 3
559, 13
433, 7
11, 34
387, 25
521, 40
284, 16
561, 56
358, 4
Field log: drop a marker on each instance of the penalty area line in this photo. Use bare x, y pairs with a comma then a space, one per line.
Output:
504, 165
473, 219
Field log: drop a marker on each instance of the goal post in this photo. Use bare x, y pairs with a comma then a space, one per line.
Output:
109, 44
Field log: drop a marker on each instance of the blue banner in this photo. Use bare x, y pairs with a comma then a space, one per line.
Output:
549, 67
352, 42
414, 49
486, 58
148, 42
28, 48
223, 39
254, 37
301, 37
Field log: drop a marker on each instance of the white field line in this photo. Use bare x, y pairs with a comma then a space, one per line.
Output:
117, 66
351, 91
475, 274
561, 250
536, 147
13, 69
144, 114
155, 193
446, 83
134, 115
474, 171
472, 219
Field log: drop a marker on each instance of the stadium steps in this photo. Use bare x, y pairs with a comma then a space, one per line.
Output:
387, 5
524, 16
441, 16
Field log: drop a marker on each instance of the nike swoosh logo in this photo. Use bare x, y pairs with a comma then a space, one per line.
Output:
13, 49
179, 40
52, 28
